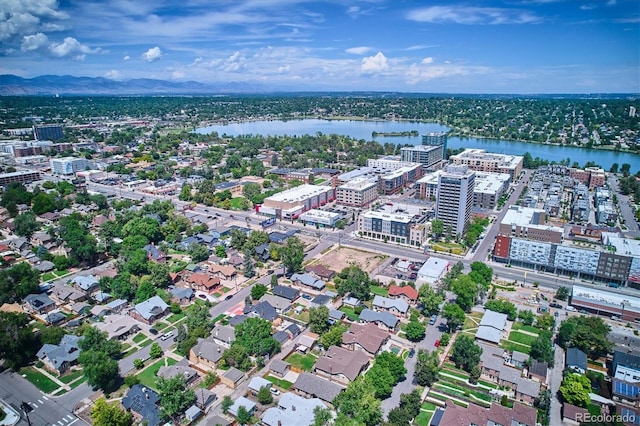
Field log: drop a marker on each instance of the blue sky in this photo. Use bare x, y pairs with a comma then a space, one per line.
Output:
481, 46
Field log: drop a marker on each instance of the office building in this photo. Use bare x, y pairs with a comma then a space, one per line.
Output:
69, 165
436, 139
394, 181
482, 161
455, 198
430, 156
291, 203
357, 193
392, 227
19, 177
526, 222
48, 132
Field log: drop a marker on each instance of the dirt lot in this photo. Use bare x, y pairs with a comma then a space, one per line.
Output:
342, 257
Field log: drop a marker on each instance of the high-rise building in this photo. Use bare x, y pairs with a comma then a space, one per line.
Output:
430, 156
436, 139
455, 198
483, 161
69, 165
358, 192
48, 132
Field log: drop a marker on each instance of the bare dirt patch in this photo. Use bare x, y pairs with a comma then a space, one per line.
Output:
342, 257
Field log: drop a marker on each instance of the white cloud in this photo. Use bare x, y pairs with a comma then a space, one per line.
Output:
70, 47
588, 7
113, 75
467, 15
26, 17
284, 69
34, 42
152, 54
375, 64
428, 60
126, 57
360, 50
177, 75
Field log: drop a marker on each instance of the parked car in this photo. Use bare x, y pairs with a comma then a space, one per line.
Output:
167, 335
433, 319
274, 391
202, 296
436, 343
229, 297
306, 296
412, 352
153, 331
555, 305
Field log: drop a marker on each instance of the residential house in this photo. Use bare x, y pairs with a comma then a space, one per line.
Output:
256, 383
144, 403
292, 410
367, 337
180, 369
406, 293
58, 358
217, 420
518, 359
281, 304
573, 415
288, 293
207, 352
320, 271
223, 335
523, 389
204, 398
232, 378
520, 415
225, 272
538, 371
182, 296
341, 364
321, 300
281, 336
279, 367
63, 294
384, 320
491, 327
80, 308
262, 251
352, 302
54, 318
119, 326
39, 303
150, 310
249, 405
263, 310
41, 239
308, 280
311, 386
397, 307
625, 383
101, 297
154, 253
193, 413
86, 284
44, 266
99, 310
293, 330
117, 305
204, 282
576, 360
335, 316
307, 341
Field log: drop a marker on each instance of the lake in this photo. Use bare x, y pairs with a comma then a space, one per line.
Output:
360, 129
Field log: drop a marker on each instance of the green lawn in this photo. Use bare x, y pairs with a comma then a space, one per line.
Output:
139, 337
350, 313
380, 291
303, 362
148, 375
175, 318
68, 378
218, 318
428, 406
160, 326
524, 339
529, 328
145, 343
52, 275
41, 381
237, 203
488, 384
423, 419
456, 373
513, 346
78, 383
279, 382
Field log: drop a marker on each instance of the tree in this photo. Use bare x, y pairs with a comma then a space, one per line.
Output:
138, 363
292, 254
355, 281
481, 273
415, 331
238, 238
542, 348
274, 280
264, 396
100, 370
393, 363
466, 291
18, 281
249, 269
105, 414
145, 291
254, 334
430, 300
77, 238
155, 351
198, 320
562, 293
96, 340
454, 315
333, 336
503, 307
437, 228
243, 416
43, 203
160, 275
427, 367
52, 335
221, 251
474, 374
575, 389
257, 291
321, 416
198, 252
381, 379
614, 168
358, 404
465, 353
526, 316
26, 224
252, 192
226, 403
175, 396
589, 334
545, 321
237, 356
18, 343
319, 319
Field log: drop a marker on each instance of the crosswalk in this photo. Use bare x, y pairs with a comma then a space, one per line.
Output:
64, 421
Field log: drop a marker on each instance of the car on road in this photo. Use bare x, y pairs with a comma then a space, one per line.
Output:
153, 331
229, 297
555, 305
412, 352
206, 210
433, 319
436, 343
165, 336
231, 216
414, 381
218, 214
556, 314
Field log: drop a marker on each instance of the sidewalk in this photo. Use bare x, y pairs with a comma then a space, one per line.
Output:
12, 416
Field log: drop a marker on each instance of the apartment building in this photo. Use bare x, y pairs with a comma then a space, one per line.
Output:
392, 227
482, 161
359, 192
430, 156
455, 198
529, 223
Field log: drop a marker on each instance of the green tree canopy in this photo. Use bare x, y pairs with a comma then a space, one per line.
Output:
100, 370
353, 280
430, 300
255, 335
18, 343
575, 389
258, 290
587, 333
292, 254
26, 224
454, 315
415, 331
319, 319
502, 306
17, 282
359, 404
427, 367
465, 353
333, 336
175, 396
109, 414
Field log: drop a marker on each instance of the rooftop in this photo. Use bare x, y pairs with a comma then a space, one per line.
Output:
359, 183
299, 193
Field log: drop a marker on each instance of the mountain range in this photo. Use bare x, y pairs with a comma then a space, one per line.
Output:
71, 85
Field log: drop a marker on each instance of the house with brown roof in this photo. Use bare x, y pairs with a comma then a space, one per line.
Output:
409, 294
367, 337
203, 281
342, 365
206, 352
222, 271
521, 415
573, 415
321, 271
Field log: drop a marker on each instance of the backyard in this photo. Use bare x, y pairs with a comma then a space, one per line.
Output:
148, 375
301, 362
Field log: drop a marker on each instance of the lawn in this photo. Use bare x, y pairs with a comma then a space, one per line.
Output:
350, 313
428, 406
78, 383
218, 318
237, 203
48, 276
145, 343
302, 362
148, 375
161, 325
513, 346
139, 337
521, 326
423, 419
524, 339
68, 378
380, 291
456, 373
39, 380
279, 382
175, 318
451, 248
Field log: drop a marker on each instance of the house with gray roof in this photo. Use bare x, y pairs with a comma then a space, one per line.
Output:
321, 300
101, 297
576, 360
171, 371
45, 266
58, 358
367, 337
256, 383
491, 327
232, 378
292, 409
288, 293
87, 283
341, 364
204, 398
223, 335
312, 386
144, 403
182, 296
335, 315
281, 336
99, 310
39, 303
206, 351
237, 319
281, 304
384, 320
279, 367
218, 421
150, 310
249, 405
117, 305
308, 280
263, 310
397, 307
